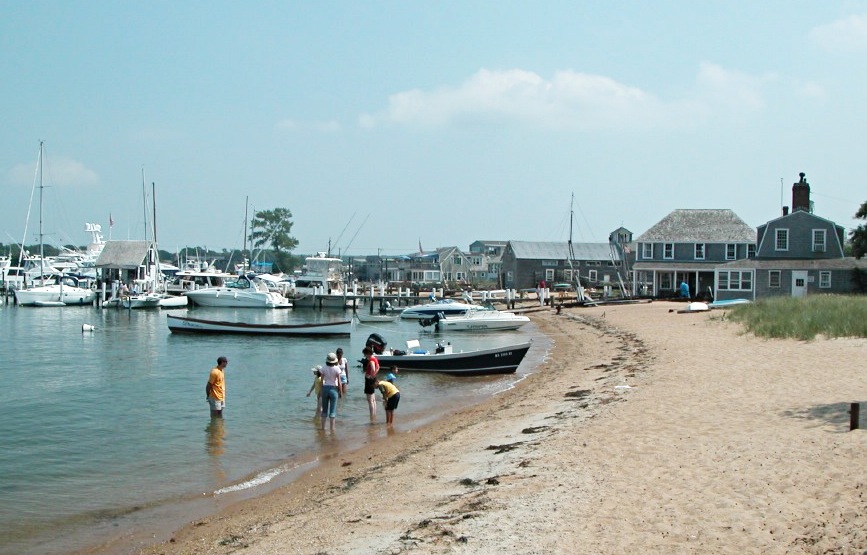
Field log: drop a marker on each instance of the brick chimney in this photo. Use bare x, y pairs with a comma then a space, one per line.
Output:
801, 194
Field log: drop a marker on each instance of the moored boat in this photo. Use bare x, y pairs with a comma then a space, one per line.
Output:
446, 307
478, 320
444, 360
180, 324
241, 292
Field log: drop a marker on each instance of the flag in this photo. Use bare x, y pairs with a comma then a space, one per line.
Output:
420, 250
110, 220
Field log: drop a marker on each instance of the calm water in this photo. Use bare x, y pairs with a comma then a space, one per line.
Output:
107, 433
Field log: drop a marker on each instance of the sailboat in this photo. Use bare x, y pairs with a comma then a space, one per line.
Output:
65, 290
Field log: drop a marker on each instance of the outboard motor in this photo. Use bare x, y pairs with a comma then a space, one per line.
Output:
376, 342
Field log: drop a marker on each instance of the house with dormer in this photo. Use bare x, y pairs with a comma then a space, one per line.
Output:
687, 245
798, 253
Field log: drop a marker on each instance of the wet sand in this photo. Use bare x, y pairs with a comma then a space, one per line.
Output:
645, 431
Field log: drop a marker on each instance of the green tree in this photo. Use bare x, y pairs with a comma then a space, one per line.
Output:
273, 228
858, 236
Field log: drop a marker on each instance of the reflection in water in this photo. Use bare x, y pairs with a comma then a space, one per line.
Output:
215, 434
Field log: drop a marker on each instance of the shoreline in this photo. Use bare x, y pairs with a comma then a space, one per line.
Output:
721, 443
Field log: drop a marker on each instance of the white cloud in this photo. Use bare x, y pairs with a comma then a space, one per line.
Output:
812, 89
568, 100
59, 171
718, 86
844, 35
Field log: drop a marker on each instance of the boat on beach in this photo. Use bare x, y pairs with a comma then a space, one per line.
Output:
446, 307
444, 360
477, 320
180, 324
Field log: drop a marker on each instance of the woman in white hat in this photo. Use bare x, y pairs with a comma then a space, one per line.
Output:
330, 389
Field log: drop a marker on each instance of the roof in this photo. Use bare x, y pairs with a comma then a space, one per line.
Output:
123, 255
700, 226
559, 250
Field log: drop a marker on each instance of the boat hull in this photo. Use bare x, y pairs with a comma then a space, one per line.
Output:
326, 301
482, 321
179, 324
430, 310
53, 294
501, 360
228, 298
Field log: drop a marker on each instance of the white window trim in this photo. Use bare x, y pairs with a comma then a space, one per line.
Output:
668, 251
740, 280
777, 239
779, 275
825, 279
703, 251
734, 254
647, 251
824, 245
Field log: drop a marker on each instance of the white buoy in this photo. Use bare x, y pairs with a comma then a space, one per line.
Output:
87, 327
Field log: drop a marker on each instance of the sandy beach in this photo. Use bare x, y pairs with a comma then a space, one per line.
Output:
646, 431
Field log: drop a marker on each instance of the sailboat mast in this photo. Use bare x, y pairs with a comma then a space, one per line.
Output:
157, 274
249, 257
144, 203
41, 242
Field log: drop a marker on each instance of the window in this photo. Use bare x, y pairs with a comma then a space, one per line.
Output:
456, 260
782, 240
699, 251
550, 262
592, 275
593, 263
731, 251
477, 261
825, 279
819, 241
567, 275
460, 276
751, 251
665, 281
774, 279
735, 281
668, 251
647, 250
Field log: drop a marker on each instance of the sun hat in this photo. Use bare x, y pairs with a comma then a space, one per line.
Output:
331, 358
316, 369
390, 377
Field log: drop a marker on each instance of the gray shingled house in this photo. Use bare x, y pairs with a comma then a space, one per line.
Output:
687, 245
798, 253
126, 260
527, 263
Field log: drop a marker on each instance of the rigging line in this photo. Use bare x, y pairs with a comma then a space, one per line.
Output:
337, 241
356, 231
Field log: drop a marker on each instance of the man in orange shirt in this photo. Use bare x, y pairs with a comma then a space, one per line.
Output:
215, 389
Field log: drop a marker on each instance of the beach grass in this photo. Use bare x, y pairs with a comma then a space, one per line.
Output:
806, 317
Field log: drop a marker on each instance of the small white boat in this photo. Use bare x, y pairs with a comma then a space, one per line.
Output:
173, 301
179, 324
728, 303
367, 318
479, 320
242, 292
446, 307
694, 307
65, 292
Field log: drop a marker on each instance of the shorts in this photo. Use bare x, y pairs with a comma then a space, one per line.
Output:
392, 402
369, 385
343, 378
215, 404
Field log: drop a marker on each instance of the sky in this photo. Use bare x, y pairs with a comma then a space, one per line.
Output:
389, 127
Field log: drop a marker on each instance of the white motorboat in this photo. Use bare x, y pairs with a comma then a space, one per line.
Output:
65, 292
321, 285
446, 307
141, 300
241, 292
479, 320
